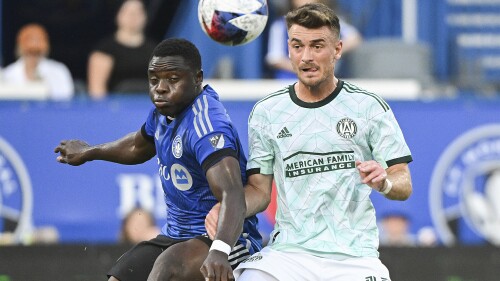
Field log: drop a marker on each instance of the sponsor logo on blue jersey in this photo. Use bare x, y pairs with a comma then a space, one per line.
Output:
181, 178
217, 141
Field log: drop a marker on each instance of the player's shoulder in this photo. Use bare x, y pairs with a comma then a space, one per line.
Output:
153, 115
207, 111
266, 104
274, 97
364, 98
208, 101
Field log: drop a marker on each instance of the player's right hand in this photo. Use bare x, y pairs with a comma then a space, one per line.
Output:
211, 221
71, 152
216, 267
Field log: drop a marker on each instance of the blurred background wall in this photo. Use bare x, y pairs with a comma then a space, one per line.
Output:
462, 35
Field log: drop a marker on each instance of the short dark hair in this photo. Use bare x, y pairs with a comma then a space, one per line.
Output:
179, 47
314, 15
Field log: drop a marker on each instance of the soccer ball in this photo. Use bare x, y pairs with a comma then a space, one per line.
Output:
232, 22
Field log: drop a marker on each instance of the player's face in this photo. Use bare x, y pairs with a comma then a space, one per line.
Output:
313, 54
173, 85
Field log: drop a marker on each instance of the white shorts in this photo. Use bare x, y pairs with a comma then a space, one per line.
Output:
291, 266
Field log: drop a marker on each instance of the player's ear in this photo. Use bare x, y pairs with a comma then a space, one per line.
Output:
199, 77
338, 49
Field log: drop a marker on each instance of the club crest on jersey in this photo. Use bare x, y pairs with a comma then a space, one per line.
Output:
347, 128
217, 141
177, 147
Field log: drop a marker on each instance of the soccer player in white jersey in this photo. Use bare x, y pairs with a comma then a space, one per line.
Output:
200, 162
327, 144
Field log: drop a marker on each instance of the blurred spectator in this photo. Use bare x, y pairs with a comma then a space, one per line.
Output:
395, 231
33, 65
138, 225
117, 63
427, 237
277, 52
45, 235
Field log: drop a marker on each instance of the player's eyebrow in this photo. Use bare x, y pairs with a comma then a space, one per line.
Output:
314, 41
319, 40
175, 69
168, 68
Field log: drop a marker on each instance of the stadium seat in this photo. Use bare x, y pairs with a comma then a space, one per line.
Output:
389, 58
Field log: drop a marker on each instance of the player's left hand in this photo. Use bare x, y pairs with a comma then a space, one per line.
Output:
372, 173
216, 267
211, 221
72, 152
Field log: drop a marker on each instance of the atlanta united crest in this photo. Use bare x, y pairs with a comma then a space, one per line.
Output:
347, 128
177, 147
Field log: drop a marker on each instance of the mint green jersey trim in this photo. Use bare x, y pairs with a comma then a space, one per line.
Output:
277, 93
350, 88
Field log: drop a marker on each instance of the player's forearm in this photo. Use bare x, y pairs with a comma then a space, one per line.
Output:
122, 151
401, 185
256, 200
232, 216
258, 193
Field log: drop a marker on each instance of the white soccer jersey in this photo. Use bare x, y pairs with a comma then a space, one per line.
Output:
311, 148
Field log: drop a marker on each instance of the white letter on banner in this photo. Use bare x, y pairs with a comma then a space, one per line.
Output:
135, 188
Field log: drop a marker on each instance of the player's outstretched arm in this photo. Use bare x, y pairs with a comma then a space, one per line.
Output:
257, 198
225, 182
131, 149
258, 193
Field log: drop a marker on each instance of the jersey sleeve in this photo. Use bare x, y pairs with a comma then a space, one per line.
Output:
261, 152
149, 127
213, 136
387, 140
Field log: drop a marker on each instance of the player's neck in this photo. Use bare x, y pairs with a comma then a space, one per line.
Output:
315, 93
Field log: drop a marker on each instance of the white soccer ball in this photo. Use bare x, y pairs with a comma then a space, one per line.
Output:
233, 22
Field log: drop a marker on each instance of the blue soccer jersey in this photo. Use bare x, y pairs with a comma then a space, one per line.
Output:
186, 147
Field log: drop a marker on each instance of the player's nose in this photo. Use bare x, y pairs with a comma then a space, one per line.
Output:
163, 86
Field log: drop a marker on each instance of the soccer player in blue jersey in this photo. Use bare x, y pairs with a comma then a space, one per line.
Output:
327, 144
201, 162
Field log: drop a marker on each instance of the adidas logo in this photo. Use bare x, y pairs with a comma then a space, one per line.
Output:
284, 133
